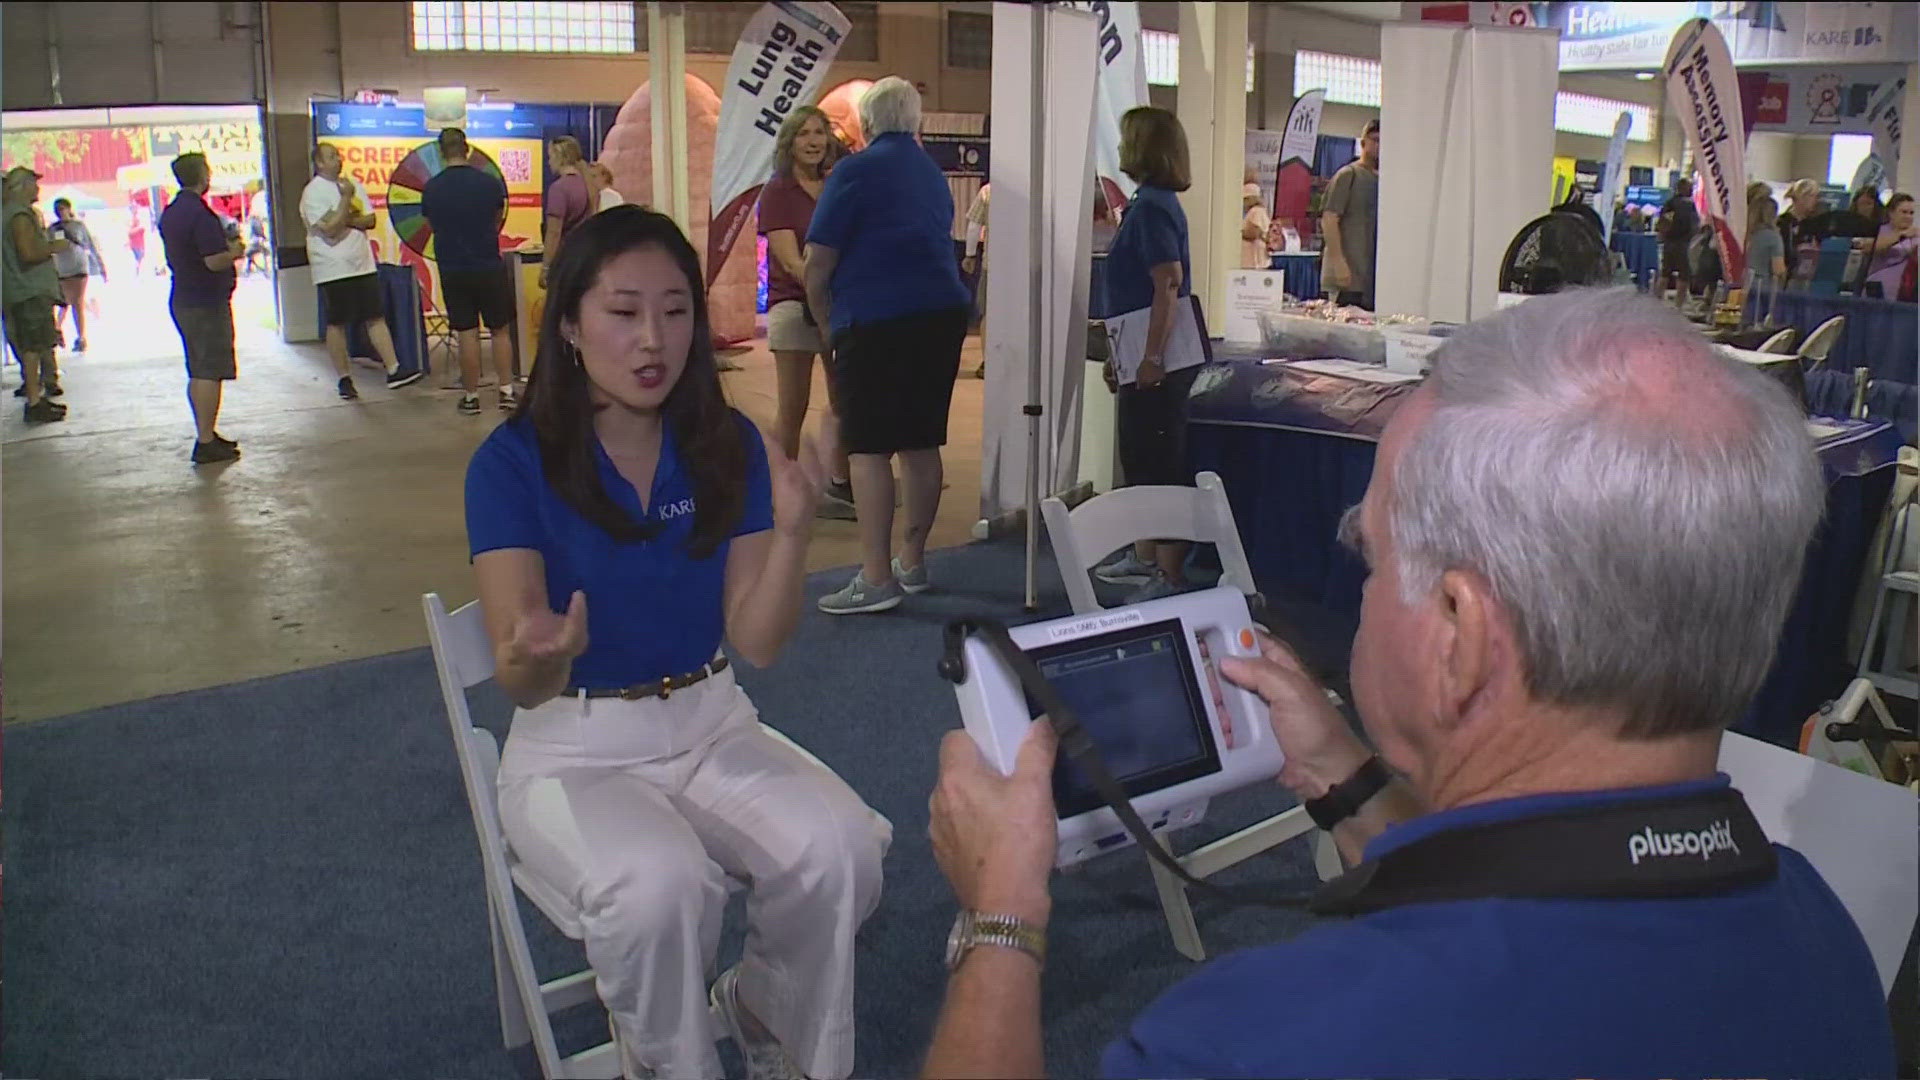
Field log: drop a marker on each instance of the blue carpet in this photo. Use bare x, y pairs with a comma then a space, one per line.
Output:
280, 878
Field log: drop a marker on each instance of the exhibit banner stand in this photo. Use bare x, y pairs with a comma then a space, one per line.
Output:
1043, 94
1705, 96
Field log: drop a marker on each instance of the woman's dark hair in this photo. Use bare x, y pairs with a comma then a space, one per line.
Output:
1153, 148
1893, 204
559, 405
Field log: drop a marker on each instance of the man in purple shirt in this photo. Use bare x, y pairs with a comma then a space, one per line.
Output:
200, 255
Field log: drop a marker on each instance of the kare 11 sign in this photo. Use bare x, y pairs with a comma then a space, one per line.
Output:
1615, 36
779, 65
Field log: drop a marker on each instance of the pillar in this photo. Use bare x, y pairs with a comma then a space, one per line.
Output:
667, 63
1212, 106
1907, 176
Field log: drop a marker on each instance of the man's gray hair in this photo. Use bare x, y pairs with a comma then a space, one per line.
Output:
892, 104
1639, 503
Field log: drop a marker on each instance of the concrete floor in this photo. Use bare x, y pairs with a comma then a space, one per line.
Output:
129, 573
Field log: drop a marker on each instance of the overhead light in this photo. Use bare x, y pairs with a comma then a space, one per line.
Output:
1643, 76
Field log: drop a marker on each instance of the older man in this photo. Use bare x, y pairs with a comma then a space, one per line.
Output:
29, 291
1584, 532
338, 214
881, 274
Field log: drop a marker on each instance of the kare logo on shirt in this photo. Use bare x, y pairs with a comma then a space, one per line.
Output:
669, 511
1705, 843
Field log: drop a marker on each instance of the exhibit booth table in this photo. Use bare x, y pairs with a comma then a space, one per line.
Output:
1301, 270
1641, 253
1296, 449
1881, 335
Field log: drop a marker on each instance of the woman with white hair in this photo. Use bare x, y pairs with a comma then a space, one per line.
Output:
1802, 227
881, 276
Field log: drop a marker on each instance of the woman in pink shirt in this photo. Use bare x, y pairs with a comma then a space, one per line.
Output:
1899, 239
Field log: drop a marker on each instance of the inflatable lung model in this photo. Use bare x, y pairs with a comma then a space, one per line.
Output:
629, 153
842, 106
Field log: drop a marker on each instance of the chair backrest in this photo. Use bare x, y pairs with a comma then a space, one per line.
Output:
1781, 343
1856, 831
1088, 533
1820, 343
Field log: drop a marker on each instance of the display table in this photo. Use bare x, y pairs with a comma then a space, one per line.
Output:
1296, 450
1301, 269
1881, 335
1830, 393
400, 296
1641, 253
1304, 337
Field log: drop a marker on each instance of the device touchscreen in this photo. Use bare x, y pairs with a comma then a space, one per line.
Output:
1136, 695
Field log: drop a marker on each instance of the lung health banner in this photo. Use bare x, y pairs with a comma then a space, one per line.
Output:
1613, 178
1121, 82
1615, 36
779, 64
1704, 95
1294, 184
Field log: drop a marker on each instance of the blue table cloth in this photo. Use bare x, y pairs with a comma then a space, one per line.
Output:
1296, 450
1830, 393
1641, 252
1302, 272
400, 296
1882, 335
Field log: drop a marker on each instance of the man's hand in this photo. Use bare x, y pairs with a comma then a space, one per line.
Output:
1151, 372
969, 263
345, 184
995, 836
1321, 749
542, 637
1334, 275
1113, 380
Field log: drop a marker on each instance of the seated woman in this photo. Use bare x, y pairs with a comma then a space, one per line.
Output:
636, 777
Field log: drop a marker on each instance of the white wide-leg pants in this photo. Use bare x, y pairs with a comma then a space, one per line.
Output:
639, 811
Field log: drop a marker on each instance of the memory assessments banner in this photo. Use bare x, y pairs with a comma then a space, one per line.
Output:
780, 64
1702, 89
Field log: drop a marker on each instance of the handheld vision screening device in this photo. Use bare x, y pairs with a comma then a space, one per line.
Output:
1142, 681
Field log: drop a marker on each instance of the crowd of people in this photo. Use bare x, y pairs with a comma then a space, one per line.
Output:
1783, 243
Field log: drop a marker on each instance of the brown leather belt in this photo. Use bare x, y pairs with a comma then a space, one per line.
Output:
660, 688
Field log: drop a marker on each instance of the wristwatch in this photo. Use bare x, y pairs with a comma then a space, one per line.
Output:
1345, 799
972, 928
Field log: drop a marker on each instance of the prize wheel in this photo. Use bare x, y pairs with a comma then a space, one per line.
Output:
410, 178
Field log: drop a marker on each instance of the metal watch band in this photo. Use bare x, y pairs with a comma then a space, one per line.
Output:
973, 928
1346, 798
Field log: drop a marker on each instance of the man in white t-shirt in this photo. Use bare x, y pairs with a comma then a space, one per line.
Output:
338, 212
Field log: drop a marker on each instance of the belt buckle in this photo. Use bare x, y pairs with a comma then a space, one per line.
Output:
666, 687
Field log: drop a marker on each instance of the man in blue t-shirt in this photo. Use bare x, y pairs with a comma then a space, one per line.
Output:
1583, 534
465, 206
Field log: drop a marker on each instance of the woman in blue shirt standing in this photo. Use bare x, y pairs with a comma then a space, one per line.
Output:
1150, 268
622, 523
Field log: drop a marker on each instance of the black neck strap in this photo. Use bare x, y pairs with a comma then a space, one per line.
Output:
1666, 847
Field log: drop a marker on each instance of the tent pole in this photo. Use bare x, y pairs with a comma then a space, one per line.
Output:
1036, 357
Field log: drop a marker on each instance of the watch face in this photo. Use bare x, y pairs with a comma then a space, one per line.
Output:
957, 938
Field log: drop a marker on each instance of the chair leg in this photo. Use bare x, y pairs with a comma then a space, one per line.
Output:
513, 1014
1893, 659
1173, 902
1867, 665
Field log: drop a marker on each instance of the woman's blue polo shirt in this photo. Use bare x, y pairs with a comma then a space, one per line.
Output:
652, 609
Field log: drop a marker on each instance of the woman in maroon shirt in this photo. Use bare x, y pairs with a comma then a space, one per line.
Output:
803, 153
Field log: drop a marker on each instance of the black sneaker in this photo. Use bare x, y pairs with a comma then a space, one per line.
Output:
509, 400
224, 441
404, 378
45, 412
470, 405
206, 453
20, 391
347, 392
836, 502
52, 387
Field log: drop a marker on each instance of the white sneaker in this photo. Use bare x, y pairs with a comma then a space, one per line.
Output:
764, 1058
859, 598
1128, 569
914, 581
1155, 588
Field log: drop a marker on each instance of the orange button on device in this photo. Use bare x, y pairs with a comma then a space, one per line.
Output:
1246, 639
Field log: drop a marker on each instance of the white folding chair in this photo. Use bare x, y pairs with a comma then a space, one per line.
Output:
1897, 597
1088, 533
1780, 343
464, 657
1820, 342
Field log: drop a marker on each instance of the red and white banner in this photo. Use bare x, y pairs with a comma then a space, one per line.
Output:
1120, 84
1298, 146
1705, 96
780, 64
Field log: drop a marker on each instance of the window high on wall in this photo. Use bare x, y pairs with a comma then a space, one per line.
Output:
590, 27
1845, 156
1160, 50
1355, 80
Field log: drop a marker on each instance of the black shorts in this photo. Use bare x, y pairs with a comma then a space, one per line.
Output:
1151, 425
206, 332
352, 301
894, 380
475, 296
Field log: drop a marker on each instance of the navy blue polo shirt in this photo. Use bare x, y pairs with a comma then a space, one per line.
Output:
652, 609
189, 232
1152, 231
462, 205
1773, 980
888, 212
